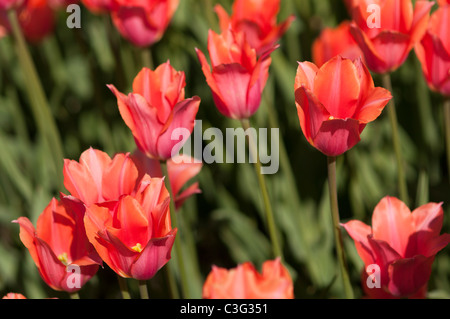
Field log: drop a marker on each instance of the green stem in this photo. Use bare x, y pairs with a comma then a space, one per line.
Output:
146, 57
177, 243
38, 101
123, 287
262, 184
447, 131
336, 226
143, 290
170, 276
403, 190
289, 177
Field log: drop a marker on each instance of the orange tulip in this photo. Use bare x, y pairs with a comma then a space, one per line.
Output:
434, 51
238, 77
59, 243
401, 26
245, 282
156, 108
143, 22
97, 178
133, 235
332, 42
335, 102
402, 244
181, 169
257, 19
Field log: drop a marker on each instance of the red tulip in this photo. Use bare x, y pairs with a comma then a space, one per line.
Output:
181, 169
97, 178
99, 6
332, 42
257, 19
36, 19
402, 244
335, 102
443, 2
245, 282
237, 78
133, 235
401, 27
434, 51
59, 243
156, 108
143, 22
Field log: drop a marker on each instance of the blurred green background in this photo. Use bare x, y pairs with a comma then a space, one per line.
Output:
225, 222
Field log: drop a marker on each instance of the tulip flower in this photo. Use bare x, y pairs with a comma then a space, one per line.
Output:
335, 102
143, 22
387, 45
36, 19
237, 78
433, 51
133, 235
156, 108
332, 42
13, 295
402, 244
58, 245
181, 169
257, 19
245, 282
97, 178
100, 6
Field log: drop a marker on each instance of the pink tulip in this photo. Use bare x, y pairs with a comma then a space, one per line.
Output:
156, 108
402, 244
237, 77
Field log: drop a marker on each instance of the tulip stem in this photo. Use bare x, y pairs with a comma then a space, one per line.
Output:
177, 243
262, 184
447, 130
38, 101
336, 226
143, 290
123, 287
403, 189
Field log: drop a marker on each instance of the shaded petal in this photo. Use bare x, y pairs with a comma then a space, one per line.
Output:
154, 256
183, 116
337, 136
409, 275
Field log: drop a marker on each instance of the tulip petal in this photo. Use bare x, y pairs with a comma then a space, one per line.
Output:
306, 73
373, 105
337, 87
359, 232
311, 113
153, 257
409, 275
119, 178
337, 136
183, 116
392, 222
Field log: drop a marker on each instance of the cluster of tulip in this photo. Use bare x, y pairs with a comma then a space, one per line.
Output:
121, 211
